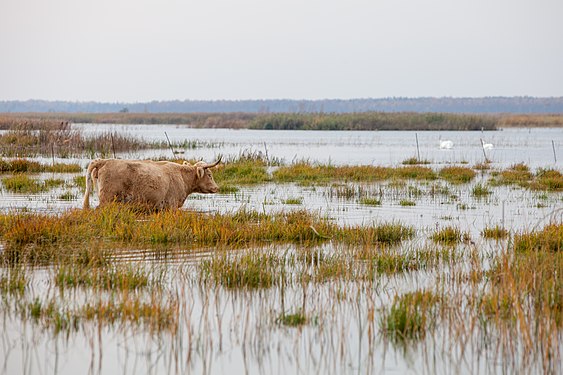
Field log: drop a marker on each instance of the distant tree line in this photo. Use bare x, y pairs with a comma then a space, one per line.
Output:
515, 105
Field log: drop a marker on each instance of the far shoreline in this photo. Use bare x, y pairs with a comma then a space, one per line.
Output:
369, 121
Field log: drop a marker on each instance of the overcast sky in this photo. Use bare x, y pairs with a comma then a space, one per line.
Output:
142, 50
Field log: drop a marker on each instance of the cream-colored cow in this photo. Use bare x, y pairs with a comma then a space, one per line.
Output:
156, 185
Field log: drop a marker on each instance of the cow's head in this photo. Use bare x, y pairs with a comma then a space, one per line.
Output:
204, 182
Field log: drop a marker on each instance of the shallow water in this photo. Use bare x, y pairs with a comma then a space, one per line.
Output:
510, 146
222, 330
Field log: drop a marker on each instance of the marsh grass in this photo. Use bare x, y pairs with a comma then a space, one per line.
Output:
414, 172
293, 201
549, 238
407, 203
250, 270
158, 314
386, 233
19, 166
37, 237
13, 281
497, 232
79, 182
415, 161
548, 179
107, 278
51, 183
386, 261
525, 295
227, 188
485, 166
241, 172
448, 236
457, 175
349, 191
67, 196
24, 165
306, 172
480, 190
518, 174
367, 201
22, 184
295, 319
62, 168
410, 316
51, 315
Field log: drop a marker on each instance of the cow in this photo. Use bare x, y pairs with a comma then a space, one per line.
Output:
156, 185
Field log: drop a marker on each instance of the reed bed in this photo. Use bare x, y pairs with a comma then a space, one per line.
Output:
285, 121
32, 137
238, 120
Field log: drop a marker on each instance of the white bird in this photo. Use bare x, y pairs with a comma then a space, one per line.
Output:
446, 144
487, 146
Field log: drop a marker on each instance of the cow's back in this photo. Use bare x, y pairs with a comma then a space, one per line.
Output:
132, 181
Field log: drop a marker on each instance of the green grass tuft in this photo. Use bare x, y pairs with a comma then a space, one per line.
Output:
495, 232
367, 201
410, 316
447, 236
407, 203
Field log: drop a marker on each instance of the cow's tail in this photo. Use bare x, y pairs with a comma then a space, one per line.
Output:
91, 179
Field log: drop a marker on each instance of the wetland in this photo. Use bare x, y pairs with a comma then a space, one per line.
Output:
323, 252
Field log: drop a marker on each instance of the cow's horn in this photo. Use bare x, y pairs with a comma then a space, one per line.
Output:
212, 165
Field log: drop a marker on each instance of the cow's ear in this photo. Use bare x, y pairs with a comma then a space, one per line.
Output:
200, 172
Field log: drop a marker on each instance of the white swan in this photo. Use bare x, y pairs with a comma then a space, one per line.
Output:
446, 144
487, 146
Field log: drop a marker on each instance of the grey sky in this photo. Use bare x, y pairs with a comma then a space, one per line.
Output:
140, 50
